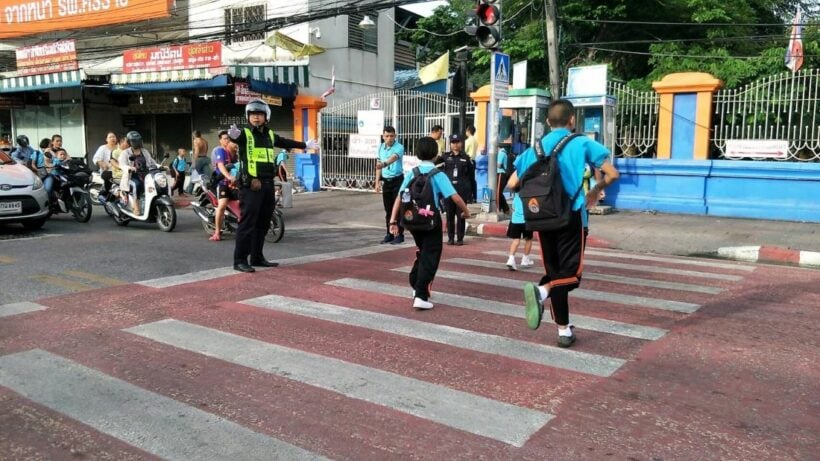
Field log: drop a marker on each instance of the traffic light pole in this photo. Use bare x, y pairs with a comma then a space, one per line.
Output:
462, 55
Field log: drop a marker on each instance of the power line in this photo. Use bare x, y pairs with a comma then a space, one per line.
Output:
694, 56
688, 24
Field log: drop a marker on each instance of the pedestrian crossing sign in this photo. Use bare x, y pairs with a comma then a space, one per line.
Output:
500, 75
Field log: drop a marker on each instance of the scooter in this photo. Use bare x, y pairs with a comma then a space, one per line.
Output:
71, 181
205, 209
156, 204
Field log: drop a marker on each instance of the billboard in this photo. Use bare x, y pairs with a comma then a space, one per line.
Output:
47, 58
173, 57
28, 17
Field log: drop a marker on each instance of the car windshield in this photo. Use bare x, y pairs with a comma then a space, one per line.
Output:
5, 158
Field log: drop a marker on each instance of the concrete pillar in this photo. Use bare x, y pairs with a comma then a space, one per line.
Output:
685, 115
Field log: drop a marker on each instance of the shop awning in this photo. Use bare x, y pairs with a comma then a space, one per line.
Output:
169, 80
290, 75
64, 79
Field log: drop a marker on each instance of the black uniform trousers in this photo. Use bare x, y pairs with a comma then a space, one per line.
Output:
256, 212
562, 252
428, 255
390, 190
455, 222
501, 200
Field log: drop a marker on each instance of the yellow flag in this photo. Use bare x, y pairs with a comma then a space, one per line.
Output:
436, 70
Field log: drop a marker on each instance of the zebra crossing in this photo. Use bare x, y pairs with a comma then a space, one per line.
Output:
464, 379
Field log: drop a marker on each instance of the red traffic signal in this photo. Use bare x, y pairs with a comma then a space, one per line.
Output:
488, 23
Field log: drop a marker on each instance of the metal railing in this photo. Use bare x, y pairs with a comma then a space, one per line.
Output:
636, 119
779, 107
412, 113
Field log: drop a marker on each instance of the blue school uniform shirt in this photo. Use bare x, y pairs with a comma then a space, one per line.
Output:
576, 155
442, 187
517, 210
394, 169
179, 164
282, 157
502, 161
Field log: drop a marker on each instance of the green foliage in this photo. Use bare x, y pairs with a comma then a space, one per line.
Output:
737, 41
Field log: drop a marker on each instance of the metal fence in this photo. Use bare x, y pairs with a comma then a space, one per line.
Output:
636, 119
412, 113
783, 106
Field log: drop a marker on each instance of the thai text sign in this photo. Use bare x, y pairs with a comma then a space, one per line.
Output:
757, 148
47, 58
364, 145
27, 17
174, 57
243, 95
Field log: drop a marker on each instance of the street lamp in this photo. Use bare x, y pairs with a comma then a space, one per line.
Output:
367, 23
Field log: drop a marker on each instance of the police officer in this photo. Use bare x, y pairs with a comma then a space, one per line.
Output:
461, 171
255, 181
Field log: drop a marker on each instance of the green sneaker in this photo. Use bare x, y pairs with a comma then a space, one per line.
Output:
534, 308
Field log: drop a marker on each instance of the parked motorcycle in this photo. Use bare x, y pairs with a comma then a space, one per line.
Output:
70, 193
205, 208
156, 204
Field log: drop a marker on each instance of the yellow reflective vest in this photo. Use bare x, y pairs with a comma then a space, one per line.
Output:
259, 154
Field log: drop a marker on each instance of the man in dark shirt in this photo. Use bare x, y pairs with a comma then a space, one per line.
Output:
461, 172
258, 169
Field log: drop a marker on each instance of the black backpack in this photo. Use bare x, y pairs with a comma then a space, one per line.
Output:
547, 206
418, 205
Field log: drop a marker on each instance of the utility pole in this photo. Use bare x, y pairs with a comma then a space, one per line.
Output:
462, 56
552, 48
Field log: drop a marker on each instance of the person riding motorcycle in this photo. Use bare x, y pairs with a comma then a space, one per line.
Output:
134, 162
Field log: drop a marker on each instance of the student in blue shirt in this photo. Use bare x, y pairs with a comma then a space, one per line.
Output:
178, 167
428, 243
389, 176
282, 160
502, 178
562, 250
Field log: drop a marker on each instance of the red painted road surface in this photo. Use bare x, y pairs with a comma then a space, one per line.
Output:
735, 379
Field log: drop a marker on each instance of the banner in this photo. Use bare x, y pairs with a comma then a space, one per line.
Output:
173, 57
27, 17
243, 95
47, 58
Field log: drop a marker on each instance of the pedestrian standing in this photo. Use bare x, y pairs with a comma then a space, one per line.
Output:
282, 168
389, 176
437, 133
459, 170
428, 242
502, 179
201, 159
257, 155
178, 168
562, 250
470, 144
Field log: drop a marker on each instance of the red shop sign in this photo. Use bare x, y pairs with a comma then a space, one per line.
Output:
174, 57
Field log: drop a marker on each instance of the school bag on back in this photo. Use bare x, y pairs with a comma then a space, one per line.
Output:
418, 205
547, 206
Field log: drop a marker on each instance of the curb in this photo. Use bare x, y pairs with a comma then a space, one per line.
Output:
771, 254
499, 229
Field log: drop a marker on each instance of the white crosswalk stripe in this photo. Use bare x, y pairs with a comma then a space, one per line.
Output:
602, 277
154, 423
470, 413
666, 259
567, 359
501, 308
7, 310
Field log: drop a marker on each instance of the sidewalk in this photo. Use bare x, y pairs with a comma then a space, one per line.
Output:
740, 239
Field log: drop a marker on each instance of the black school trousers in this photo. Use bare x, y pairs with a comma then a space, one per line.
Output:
562, 252
501, 200
428, 255
390, 190
256, 211
455, 222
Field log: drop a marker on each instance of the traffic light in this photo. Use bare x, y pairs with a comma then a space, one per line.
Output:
488, 23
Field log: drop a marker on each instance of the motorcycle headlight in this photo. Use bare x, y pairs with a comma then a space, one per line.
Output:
161, 180
38, 183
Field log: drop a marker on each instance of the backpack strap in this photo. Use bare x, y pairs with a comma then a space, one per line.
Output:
416, 172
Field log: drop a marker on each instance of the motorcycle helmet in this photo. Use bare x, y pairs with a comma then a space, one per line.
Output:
22, 140
257, 106
134, 139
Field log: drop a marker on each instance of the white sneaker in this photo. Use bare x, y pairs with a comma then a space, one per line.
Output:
419, 303
526, 261
511, 263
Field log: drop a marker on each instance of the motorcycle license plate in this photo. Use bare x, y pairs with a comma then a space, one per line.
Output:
11, 207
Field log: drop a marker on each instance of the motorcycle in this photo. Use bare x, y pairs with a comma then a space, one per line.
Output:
205, 209
156, 204
70, 194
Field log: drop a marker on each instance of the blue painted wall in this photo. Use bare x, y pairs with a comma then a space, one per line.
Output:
684, 109
766, 190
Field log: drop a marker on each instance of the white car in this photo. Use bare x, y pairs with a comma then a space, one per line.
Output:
23, 198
